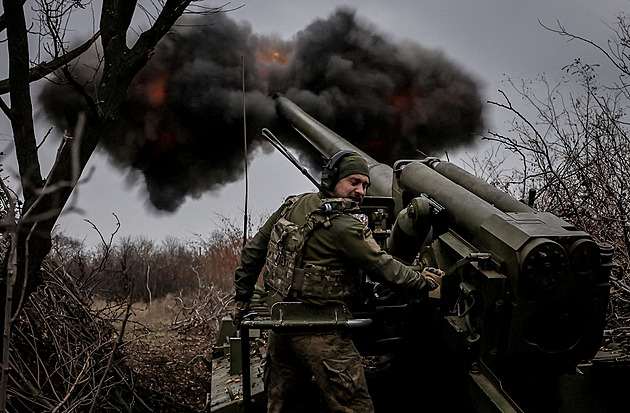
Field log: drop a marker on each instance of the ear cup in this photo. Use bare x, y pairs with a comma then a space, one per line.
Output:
330, 173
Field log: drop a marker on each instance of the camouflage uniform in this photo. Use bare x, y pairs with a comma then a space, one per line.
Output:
330, 358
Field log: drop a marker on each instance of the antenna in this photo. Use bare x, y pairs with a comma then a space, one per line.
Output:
245, 151
284, 151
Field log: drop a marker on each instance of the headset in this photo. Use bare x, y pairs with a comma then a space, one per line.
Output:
330, 173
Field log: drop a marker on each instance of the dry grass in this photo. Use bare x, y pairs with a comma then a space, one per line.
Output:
158, 313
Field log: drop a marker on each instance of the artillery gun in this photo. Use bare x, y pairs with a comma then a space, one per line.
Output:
521, 310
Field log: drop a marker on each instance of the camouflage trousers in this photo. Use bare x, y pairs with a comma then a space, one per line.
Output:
331, 360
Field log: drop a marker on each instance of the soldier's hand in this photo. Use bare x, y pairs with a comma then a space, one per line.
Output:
433, 276
240, 309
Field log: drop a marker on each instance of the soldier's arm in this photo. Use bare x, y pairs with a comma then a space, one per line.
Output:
253, 260
358, 245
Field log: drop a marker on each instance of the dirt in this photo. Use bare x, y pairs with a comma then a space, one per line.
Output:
170, 364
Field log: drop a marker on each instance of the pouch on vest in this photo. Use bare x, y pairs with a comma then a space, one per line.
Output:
325, 282
285, 246
283, 272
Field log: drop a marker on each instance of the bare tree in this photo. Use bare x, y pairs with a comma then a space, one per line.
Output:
123, 51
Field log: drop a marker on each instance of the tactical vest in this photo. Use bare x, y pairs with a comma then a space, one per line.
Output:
283, 271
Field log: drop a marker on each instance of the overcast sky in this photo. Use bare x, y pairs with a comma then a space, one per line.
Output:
490, 39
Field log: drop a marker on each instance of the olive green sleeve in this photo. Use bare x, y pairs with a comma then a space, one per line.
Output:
354, 242
253, 259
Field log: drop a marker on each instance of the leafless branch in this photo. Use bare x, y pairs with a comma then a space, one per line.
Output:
44, 69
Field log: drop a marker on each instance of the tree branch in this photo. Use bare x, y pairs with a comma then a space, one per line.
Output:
45, 68
563, 32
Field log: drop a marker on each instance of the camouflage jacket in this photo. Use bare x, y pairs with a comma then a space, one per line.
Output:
346, 243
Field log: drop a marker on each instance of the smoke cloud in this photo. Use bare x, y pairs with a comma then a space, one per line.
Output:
181, 124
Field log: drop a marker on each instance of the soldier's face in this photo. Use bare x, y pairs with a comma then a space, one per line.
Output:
352, 186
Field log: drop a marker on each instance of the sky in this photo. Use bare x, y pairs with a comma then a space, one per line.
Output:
489, 39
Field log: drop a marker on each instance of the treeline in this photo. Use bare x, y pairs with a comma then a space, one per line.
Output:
142, 270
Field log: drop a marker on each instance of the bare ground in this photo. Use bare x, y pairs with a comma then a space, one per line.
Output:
169, 362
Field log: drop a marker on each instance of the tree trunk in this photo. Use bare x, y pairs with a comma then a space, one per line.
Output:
44, 201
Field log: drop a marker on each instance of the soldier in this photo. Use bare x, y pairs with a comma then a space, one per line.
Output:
320, 264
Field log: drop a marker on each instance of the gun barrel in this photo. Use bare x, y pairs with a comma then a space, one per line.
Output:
479, 187
328, 143
467, 210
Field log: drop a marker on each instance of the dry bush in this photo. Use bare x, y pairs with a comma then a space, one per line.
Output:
211, 291
70, 351
62, 349
219, 255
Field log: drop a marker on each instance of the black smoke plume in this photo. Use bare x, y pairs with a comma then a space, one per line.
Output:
181, 124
